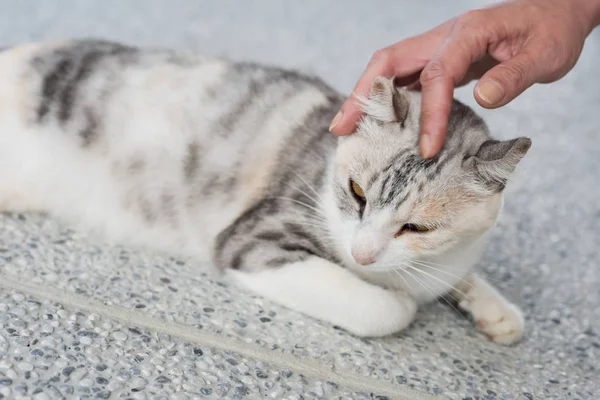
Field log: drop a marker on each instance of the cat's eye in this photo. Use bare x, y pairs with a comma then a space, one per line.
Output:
411, 228
357, 190
359, 196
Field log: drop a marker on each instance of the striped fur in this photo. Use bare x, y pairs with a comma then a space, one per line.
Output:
232, 162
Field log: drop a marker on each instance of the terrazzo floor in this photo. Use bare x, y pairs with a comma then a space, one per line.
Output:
81, 319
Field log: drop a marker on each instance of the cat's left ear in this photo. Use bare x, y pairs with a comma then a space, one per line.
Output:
386, 102
496, 160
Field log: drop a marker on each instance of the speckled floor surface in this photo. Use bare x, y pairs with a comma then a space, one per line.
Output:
79, 319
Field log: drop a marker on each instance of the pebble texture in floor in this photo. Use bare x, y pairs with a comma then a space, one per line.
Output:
82, 319
59, 353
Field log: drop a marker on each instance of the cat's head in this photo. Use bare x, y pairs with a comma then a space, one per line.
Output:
393, 204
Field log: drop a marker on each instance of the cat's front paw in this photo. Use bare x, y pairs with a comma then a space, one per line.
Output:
333, 294
384, 313
498, 319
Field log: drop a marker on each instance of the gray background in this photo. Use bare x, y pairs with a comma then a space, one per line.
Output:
544, 254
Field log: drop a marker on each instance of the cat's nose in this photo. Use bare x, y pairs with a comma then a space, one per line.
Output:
367, 246
364, 258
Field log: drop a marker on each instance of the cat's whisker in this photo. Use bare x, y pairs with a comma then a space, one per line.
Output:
311, 217
439, 265
397, 286
318, 200
309, 212
321, 228
393, 281
308, 185
325, 232
443, 271
300, 203
417, 280
448, 267
324, 235
401, 277
444, 283
432, 293
303, 192
444, 298
319, 224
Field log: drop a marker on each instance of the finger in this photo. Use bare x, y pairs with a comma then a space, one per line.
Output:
415, 86
478, 69
446, 70
405, 81
401, 59
506, 81
437, 88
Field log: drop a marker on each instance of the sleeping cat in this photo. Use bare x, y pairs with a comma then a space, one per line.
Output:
233, 163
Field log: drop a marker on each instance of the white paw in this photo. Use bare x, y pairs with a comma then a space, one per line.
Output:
498, 319
327, 292
383, 313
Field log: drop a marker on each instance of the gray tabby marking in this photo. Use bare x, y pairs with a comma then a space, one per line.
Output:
65, 69
233, 162
272, 221
192, 161
277, 211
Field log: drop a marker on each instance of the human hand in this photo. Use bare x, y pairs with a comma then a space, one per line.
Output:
508, 47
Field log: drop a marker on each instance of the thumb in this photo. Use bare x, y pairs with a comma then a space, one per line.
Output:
503, 83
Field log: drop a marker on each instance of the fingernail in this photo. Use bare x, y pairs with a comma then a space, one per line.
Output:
490, 91
336, 120
425, 145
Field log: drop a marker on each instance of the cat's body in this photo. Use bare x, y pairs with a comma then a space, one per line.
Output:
232, 163
175, 151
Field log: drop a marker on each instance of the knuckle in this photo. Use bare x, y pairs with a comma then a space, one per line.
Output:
471, 19
476, 26
434, 71
514, 75
531, 8
381, 56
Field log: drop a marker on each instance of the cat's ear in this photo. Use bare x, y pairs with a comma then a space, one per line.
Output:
386, 102
496, 160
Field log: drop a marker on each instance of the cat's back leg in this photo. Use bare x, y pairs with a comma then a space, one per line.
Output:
41, 130
16, 102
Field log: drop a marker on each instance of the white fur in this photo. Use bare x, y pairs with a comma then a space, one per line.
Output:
149, 117
331, 293
496, 317
55, 176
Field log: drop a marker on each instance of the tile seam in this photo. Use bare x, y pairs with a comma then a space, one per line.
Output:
306, 367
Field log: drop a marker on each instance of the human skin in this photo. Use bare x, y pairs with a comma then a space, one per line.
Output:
508, 47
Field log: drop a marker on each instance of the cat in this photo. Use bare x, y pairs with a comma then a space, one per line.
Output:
232, 162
